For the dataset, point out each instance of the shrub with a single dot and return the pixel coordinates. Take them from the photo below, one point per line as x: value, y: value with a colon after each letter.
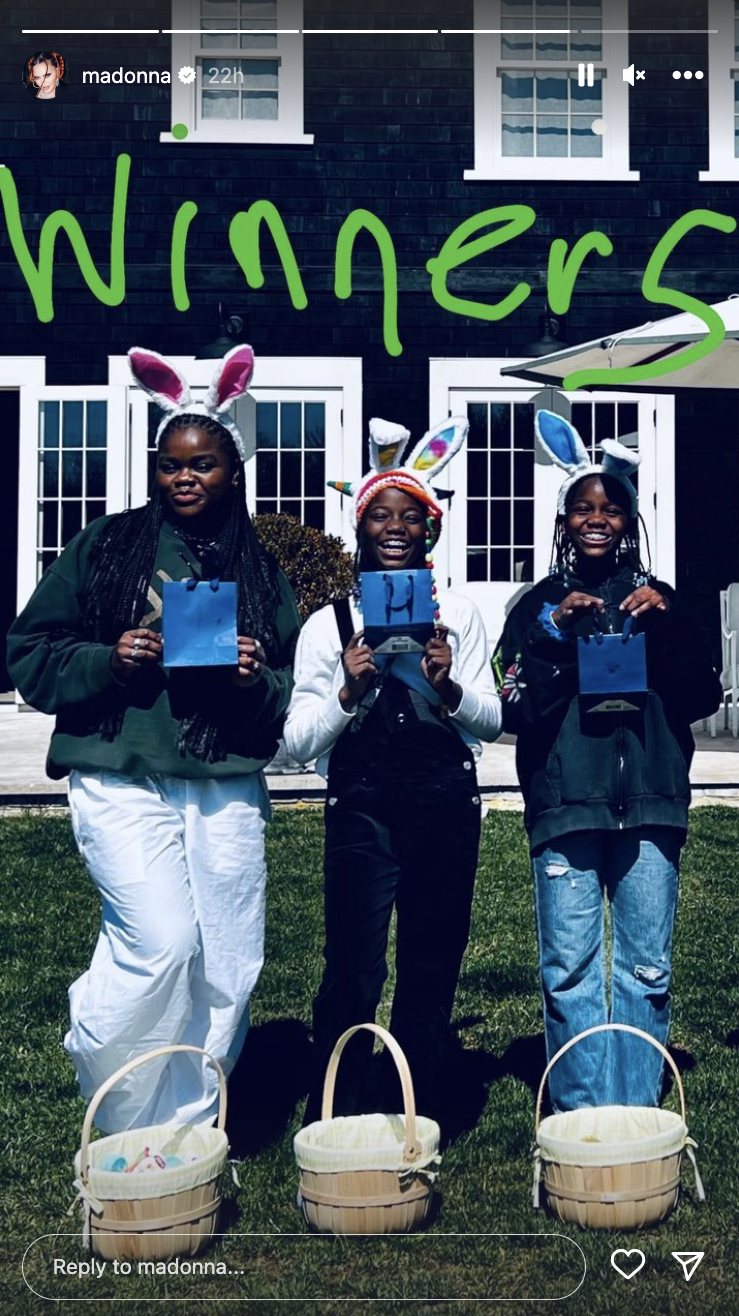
x: 317, y: 565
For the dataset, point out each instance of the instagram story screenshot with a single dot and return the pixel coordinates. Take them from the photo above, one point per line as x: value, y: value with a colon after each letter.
x: 369, y: 685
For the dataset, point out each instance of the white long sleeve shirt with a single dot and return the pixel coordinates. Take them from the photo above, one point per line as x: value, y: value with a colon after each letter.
x: 316, y: 719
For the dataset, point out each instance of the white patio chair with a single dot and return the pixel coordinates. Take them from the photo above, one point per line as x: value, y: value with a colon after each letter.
x: 729, y: 599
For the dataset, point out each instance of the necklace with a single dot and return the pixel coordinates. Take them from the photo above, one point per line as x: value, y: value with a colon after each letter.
x: 200, y: 544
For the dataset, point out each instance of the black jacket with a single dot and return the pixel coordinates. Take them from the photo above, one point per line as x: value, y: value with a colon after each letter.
x: 581, y: 770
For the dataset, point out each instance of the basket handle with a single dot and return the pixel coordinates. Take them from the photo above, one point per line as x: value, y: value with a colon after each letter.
x: 412, y: 1146
x: 109, y: 1083
x: 609, y: 1028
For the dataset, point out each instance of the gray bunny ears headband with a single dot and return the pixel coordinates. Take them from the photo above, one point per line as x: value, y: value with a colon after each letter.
x: 171, y: 391
x: 562, y: 443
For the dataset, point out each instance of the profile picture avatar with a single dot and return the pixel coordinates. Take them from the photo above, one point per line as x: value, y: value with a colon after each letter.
x: 44, y: 73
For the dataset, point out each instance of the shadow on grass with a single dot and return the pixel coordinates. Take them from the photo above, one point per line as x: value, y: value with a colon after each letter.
x: 733, y: 1038
x: 268, y: 1080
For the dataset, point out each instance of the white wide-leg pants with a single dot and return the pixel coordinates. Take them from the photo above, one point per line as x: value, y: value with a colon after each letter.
x: 179, y: 864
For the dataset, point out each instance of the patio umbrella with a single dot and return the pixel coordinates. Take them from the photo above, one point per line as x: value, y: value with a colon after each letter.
x: 654, y: 342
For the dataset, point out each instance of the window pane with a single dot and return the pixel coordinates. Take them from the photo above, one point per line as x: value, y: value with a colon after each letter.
x: 93, y: 508
x: 477, y: 521
x: 551, y: 135
x: 50, y: 480
x: 551, y: 93
x: 605, y: 421
x: 72, y: 423
x: 266, y: 424
x: 500, y: 564
x: 523, y: 425
x: 266, y: 474
x: 72, y: 474
x: 49, y: 413
x: 290, y: 475
x: 314, y: 513
x: 500, y: 522
x: 477, y: 473
x: 586, y: 99
x: 515, y: 45
x: 583, y: 141
x: 583, y: 421
x: 290, y: 507
x: 71, y: 520
x: 315, y: 474
x: 290, y: 425
x: 523, y: 474
x: 477, y: 564
x: 518, y: 135
x: 500, y: 474
x: 477, y: 415
x: 49, y: 525
x: 315, y: 425
x: 500, y: 425
x: 517, y: 93
x: 220, y: 104
x: 628, y: 419
x: 96, y: 474
x: 523, y: 564
x: 523, y: 521
x: 97, y: 416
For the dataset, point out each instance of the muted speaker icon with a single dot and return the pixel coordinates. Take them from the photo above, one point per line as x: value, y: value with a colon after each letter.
x: 629, y: 74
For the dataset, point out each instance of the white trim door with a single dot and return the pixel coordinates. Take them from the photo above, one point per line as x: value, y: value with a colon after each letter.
x: 498, y: 533
x: 74, y: 471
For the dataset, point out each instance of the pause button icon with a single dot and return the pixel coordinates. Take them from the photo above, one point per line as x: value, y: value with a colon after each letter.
x: 585, y: 75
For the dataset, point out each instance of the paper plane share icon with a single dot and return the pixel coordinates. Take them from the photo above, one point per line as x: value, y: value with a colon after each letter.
x: 689, y: 1261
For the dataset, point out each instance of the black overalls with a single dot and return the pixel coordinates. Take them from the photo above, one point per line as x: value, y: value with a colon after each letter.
x: 403, y: 830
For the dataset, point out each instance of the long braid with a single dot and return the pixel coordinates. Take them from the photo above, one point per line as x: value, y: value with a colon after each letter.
x: 122, y: 565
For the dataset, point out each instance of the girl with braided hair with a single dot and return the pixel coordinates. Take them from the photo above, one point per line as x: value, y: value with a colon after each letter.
x: 606, y: 789
x: 44, y: 73
x: 166, y: 786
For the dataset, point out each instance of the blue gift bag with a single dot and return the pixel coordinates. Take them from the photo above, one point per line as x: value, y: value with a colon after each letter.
x: 397, y: 610
x: 199, y: 623
x: 613, y: 666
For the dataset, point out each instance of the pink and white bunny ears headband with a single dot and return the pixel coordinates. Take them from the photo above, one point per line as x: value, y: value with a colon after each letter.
x: 562, y: 443
x: 171, y: 391
x: 387, y: 444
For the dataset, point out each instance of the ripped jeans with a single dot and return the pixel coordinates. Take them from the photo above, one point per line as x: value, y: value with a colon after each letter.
x: 638, y: 870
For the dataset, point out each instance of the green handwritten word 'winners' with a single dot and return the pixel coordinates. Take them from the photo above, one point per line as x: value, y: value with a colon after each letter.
x: 474, y: 239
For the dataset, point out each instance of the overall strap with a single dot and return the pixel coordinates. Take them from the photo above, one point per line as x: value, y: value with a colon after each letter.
x: 344, y: 621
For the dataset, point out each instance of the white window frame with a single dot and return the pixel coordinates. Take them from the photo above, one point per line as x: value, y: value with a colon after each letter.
x: 277, y: 378
x: 723, y: 70
x: 490, y: 163
x: 286, y: 129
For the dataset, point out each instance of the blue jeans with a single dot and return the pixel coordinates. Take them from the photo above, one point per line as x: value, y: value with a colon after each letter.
x: 638, y: 869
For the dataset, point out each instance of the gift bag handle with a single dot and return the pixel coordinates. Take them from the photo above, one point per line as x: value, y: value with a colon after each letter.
x: 609, y: 1028
x: 412, y: 1146
x: 109, y: 1083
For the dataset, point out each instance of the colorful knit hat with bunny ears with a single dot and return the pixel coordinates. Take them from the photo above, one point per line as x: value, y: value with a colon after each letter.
x: 387, y: 444
x: 562, y: 443
x: 171, y: 391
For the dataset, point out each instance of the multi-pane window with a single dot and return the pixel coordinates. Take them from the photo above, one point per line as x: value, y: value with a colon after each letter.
x: 72, y: 472
x: 246, y: 58
x: 550, y: 100
x: 238, y: 88
x: 291, y: 460
x: 500, y: 491
x: 545, y: 110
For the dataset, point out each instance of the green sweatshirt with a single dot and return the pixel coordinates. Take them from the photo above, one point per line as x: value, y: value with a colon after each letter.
x: 59, y: 671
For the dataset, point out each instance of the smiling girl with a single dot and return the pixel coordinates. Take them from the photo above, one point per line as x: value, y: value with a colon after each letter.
x: 166, y: 788
x: 398, y: 739
x: 606, y: 793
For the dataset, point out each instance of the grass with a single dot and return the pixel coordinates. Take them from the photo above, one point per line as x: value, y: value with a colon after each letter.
x: 48, y: 919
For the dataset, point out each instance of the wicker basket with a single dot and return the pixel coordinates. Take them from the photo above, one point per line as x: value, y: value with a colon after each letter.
x: 612, y: 1167
x: 367, y: 1174
x: 153, y: 1216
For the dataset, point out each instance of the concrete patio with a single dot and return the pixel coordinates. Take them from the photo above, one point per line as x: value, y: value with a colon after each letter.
x: 24, y: 737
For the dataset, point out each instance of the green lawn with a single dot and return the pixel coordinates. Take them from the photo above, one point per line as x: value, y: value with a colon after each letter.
x: 48, y: 916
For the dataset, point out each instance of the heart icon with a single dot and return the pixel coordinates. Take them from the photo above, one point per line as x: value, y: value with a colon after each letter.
x: 636, y: 1265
